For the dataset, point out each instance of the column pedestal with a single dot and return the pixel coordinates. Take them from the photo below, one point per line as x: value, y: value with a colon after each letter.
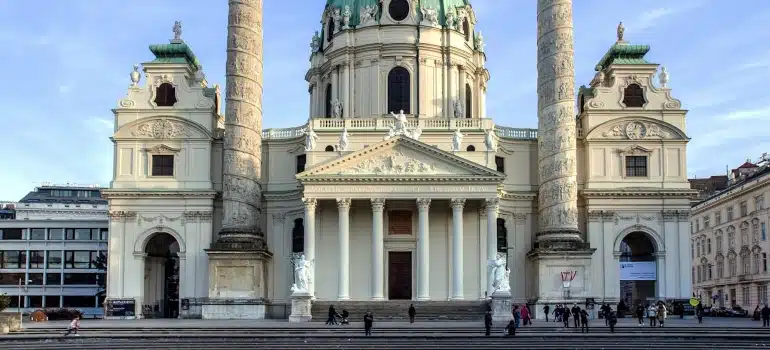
x: 300, y: 308
x: 502, y: 306
x: 237, y: 288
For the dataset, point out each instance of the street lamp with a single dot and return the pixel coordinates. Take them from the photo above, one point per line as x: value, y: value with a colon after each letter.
x: 21, y: 314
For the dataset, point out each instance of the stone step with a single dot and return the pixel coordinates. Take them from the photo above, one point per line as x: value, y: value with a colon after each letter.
x: 398, y: 309
x: 375, y: 342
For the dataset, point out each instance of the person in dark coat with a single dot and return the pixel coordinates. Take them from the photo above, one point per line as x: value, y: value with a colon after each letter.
x: 368, y: 321
x: 565, y: 313
x: 510, y: 329
x: 576, y: 314
x: 640, y: 311
x: 546, y: 310
x: 345, y: 315
x: 487, y: 323
x: 699, y: 312
x: 332, y: 316
x: 412, y: 313
x: 765, y: 316
x: 583, y: 321
x: 613, y: 321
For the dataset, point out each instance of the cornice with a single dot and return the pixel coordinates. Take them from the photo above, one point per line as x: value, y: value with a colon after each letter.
x: 73, y: 212
x: 639, y: 192
x: 125, y: 193
x: 282, y: 195
x: 528, y: 196
x: 730, y: 195
x: 422, y: 179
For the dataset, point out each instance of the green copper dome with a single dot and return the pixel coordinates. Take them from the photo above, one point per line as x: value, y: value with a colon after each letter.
x: 443, y: 7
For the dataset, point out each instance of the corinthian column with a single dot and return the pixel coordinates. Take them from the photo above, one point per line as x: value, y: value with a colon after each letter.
x: 242, y: 192
x: 556, y: 124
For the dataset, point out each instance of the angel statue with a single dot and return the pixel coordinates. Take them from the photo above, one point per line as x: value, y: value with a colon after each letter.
x: 458, y: 107
x: 489, y: 140
x: 336, y: 108
x: 343, y: 144
x: 457, y: 140
x: 499, y: 274
x: 310, y: 137
x: 302, y: 273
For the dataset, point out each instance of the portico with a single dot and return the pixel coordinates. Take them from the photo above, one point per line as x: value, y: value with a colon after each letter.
x: 395, y: 181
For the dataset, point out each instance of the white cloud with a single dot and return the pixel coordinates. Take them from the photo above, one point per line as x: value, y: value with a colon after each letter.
x: 651, y: 18
x: 745, y: 115
x: 100, y: 125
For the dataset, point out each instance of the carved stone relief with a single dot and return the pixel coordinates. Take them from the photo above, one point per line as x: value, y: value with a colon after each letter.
x: 637, y: 130
x: 396, y: 162
x: 554, y: 167
x: 161, y: 129
x: 122, y: 215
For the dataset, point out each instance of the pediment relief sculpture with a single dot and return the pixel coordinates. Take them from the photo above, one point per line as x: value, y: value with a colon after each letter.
x: 159, y: 149
x: 635, y: 149
x: 397, y: 161
x: 162, y: 129
x: 639, y: 130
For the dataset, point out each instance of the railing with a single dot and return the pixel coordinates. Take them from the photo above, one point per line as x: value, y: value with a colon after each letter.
x: 384, y: 123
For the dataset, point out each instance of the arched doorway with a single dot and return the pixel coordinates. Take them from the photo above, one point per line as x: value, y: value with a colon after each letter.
x: 161, y: 277
x: 638, y: 269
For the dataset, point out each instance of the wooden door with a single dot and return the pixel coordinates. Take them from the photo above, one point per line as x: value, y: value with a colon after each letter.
x: 400, y: 275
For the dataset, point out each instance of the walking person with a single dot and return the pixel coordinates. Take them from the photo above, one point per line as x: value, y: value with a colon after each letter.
x: 74, y: 326
x: 368, y: 322
x: 698, y: 313
x: 652, y: 314
x: 583, y: 321
x: 557, y: 313
x: 765, y: 312
x: 613, y: 321
x: 412, y: 313
x: 546, y: 310
x: 332, y: 320
x: 487, y: 323
x: 576, y: 314
x: 516, y: 315
x: 640, y: 314
x: 661, y: 314
x: 525, y: 315
x: 565, y: 317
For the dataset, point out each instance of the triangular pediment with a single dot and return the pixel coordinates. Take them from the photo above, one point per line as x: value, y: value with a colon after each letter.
x: 401, y: 157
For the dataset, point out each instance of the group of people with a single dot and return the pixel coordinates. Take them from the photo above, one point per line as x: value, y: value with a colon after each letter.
x: 656, y: 314
x: 561, y: 313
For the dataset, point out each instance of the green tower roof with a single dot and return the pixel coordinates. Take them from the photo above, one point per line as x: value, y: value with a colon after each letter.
x: 443, y: 7
x: 175, y: 52
x: 624, y: 54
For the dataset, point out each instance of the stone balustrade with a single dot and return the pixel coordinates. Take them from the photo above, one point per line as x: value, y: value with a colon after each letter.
x: 384, y: 123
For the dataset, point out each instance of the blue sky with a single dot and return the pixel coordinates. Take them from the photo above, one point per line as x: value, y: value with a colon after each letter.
x: 67, y: 64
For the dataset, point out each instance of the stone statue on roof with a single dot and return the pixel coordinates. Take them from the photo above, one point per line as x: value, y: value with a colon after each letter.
x: 177, y: 30
x: 621, y: 30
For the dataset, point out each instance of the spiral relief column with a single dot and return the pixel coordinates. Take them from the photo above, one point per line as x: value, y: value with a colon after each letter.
x: 242, y: 166
x: 557, y: 207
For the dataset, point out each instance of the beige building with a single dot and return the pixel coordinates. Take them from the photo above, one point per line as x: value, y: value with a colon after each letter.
x: 729, y: 240
x: 399, y: 186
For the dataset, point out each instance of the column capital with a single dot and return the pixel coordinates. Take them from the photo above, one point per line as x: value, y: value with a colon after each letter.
x: 310, y: 203
x: 458, y: 203
x: 423, y: 203
x: 378, y: 204
x: 492, y: 203
x: 343, y: 203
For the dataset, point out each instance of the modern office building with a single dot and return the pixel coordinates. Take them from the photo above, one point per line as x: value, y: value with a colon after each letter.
x: 50, y: 243
x: 729, y: 239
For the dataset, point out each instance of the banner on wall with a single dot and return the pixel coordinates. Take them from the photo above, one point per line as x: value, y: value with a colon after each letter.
x: 638, y: 271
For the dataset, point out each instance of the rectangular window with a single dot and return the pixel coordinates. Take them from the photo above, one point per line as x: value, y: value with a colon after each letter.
x: 718, y: 217
x: 12, y: 234
x: 36, y: 279
x: 744, y: 209
x: 729, y: 213
x: 74, y: 301
x: 37, y: 259
x: 500, y: 164
x: 55, y: 234
x: 636, y: 166
x: 162, y: 165
x: 759, y: 202
x: 54, y: 259
x: 81, y: 259
x: 104, y: 234
x: 53, y: 279
x: 52, y: 301
x: 14, y: 259
x: 78, y: 234
x: 708, y: 246
x: 706, y: 223
x: 745, y: 295
x: 11, y: 279
x: 711, y: 268
x: 301, y: 161
x: 80, y: 279
x: 745, y: 263
x: 764, y: 233
x: 762, y: 294
x: 37, y: 234
x: 764, y: 262
x: 61, y: 193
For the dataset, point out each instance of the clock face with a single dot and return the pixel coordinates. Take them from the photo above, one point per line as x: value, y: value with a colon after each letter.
x: 635, y: 130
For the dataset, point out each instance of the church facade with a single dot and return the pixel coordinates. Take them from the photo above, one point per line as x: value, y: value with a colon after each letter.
x: 399, y: 186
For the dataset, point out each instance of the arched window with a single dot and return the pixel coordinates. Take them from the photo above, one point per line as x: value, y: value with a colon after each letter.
x: 399, y: 90
x: 468, y: 101
x: 467, y: 30
x: 165, y: 95
x: 328, y: 101
x: 633, y: 96
x: 298, y: 236
x: 330, y: 30
x: 502, y: 235
x: 329, y: 148
x: 471, y: 148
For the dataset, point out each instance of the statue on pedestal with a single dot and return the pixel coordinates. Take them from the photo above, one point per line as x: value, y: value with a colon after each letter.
x: 499, y: 274
x: 401, y: 127
x: 457, y: 140
x: 310, y: 137
x: 489, y: 140
x: 343, y: 143
x: 302, y: 272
